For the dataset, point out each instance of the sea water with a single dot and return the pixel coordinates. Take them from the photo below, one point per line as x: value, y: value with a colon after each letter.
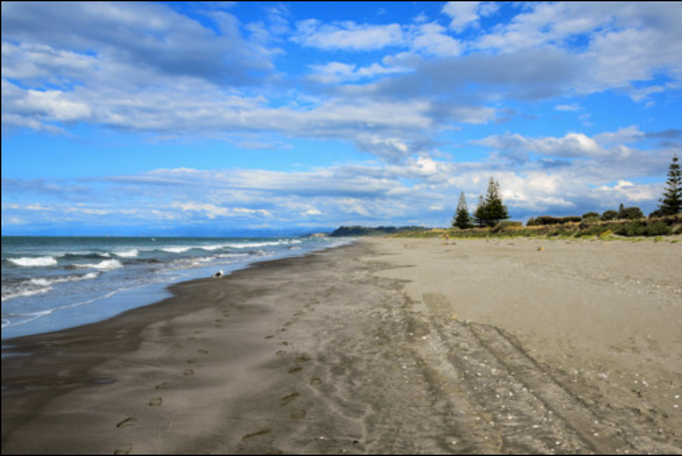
x: 53, y: 283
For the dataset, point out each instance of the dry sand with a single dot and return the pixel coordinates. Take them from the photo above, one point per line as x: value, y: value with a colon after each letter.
x: 385, y: 346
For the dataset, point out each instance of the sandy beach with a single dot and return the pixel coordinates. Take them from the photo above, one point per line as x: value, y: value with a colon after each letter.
x: 384, y: 346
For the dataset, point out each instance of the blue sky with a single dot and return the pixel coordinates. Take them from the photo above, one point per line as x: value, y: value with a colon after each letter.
x: 210, y: 118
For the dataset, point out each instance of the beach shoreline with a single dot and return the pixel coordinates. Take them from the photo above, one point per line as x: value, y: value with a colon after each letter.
x: 385, y: 345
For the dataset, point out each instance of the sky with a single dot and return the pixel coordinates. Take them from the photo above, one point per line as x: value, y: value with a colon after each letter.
x: 212, y: 118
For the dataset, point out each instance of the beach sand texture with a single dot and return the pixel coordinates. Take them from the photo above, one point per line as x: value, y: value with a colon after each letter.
x: 385, y: 346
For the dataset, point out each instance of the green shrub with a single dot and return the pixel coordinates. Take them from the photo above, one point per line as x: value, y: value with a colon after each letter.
x: 505, y: 224
x: 549, y: 220
x: 636, y: 228
x: 609, y: 215
x: 658, y: 228
x: 589, y: 221
x: 546, y: 220
x: 590, y: 214
x: 594, y: 230
x: 571, y: 219
x: 631, y: 213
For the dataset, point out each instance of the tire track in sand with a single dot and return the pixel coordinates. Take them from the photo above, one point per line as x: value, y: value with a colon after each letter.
x: 529, y: 408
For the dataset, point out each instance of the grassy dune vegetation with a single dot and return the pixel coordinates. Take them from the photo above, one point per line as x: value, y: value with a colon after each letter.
x: 587, y: 228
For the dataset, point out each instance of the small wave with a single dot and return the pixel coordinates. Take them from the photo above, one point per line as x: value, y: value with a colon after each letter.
x: 40, y: 285
x: 34, y: 262
x: 233, y: 255
x: 47, y: 282
x: 177, y: 249
x: 106, y: 264
x: 212, y: 248
x: 12, y: 320
x: 84, y: 255
x: 254, y: 245
x: 132, y: 253
x: 24, y: 292
x: 26, y: 318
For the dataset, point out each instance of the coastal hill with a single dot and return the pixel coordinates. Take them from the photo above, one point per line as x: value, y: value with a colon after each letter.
x: 355, y: 231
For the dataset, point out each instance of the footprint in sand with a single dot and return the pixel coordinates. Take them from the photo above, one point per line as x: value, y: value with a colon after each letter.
x: 298, y: 414
x: 124, y: 449
x: 188, y: 372
x: 192, y: 361
x: 202, y: 351
x: 281, y: 353
x: 315, y: 381
x: 191, y: 338
x: 127, y: 422
x: 295, y: 370
x: 256, y: 434
x: 289, y: 397
x: 155, y: 401
x: 162, y: 386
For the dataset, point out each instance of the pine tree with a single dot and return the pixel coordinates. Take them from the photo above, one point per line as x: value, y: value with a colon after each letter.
x: 462, y: 218
x: 495, y: 210
x: 671, y: 203
x: 480, y: 214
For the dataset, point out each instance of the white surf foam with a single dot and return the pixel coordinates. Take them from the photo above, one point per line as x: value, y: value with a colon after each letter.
x: 177, y: 249
x: 132, y: 253
x: 106, y: 264
x: 34, y: 262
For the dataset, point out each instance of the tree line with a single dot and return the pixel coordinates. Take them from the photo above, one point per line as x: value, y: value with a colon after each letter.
x: 491, y: 209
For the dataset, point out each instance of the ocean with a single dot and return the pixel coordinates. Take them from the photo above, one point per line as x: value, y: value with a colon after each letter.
x: 53, y: 283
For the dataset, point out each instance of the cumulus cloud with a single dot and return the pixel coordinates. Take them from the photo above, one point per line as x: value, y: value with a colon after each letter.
x: 336, y: 72
x: 623, y: 41
x: 570, y: 146
x: 466, y: 14
x: 348, y: 35
x: 155, y: 37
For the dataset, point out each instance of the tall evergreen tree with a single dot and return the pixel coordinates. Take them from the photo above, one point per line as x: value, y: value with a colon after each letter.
x: 671, y: 203
x: 462, y: 218
x: 480, y: 214
x: 495, y: 210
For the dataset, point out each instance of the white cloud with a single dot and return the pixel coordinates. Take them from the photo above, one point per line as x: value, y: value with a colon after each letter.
x: 623, y: 42
x: 463, y: 14
x: 643, y: 94
x: 55, y: 104
x: 348, y: 35
x: 312, y: 212
x: 336, y: 72
x: 431, y: 39
x: 572, y: 145
x: 213, y: 211
x: 621, y: 136
x: 146, y: 35
x: 627, y: 191
x: 569, y: 107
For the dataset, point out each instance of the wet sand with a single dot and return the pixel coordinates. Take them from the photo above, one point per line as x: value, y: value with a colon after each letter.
x: 385, y: 346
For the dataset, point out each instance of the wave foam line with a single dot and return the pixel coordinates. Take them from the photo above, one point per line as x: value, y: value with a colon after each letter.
x: 34, y: 262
